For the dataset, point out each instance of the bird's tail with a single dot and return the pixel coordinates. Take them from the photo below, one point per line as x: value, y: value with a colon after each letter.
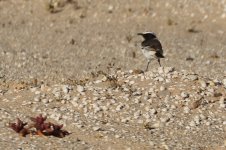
x: 159, y: 55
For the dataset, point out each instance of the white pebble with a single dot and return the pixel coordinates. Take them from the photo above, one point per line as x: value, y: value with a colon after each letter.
x: 119, y: 107
x: 37, y: 98
x: 168, y: 70
x: 96, y: 128
x: 45, y: 101
x: 184, y: 95
x: 224, y: 82
x: 65, y: 89
x: 80, y: 88
x: 192, y: 123
x: 162, y: 88
x: 208, y: 123
x: 203, y: 83
x: 186, y: 110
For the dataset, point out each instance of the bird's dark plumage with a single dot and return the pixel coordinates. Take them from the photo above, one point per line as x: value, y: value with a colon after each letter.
x: 152, y: 44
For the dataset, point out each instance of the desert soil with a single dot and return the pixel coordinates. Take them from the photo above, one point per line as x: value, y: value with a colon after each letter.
x: 78, y: 62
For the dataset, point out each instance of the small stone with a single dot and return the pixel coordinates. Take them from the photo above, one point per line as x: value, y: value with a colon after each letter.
x: 80, y: 88
x: 153, y: 111
x: 224, y: 82
x: 168, y: 69
x: 119, y: 107
x: 74, y: 103
x: 222, y: 106
x: 37, y: 98
x: 37, y: 92
x: 197, y: 120
x: 157, y: 125
x: 192, y: 123
x: 222, y: 100
x: 65, y: 89
x: 96, y: 128
x: 164, y: 119
x: 192, y: 77
x: 184, y: 95
x: 203, y: 83
x: 173, y: 107
x: 160, y: 70
x: 137, y: 114
x: 146, y: 98
x: 140, y: 121
x: 208, y: 123
x: 110, y: 9
x: 45, y: 101
x: 131, y: 82
x: 162, y: 88
x: 217, y: 94
x: 160, y: 79
x: 186, y: 110
x: 124, y: 120
x: 150, y: 126
x: 151, y: 143
x: 56, y: 116
x: 195, y: 104
x: 80, y: 126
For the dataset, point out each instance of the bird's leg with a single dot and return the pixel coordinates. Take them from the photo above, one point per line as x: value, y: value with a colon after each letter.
x: 147, y: 66
x: 159, y: 62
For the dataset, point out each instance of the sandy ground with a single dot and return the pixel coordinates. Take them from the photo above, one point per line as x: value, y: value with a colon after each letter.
x: 60, y: 42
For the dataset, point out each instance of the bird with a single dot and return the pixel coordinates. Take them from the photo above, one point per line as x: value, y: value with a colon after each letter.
x: 151, y: 47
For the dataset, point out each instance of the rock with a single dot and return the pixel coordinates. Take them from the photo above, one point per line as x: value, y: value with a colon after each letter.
x: 165, y: 119
x: 197, y: 120
x: 151, y: 126
x: 203, y: 83
x: 160, y: 79
x: 45, y: 101
x: 65, y: 89
x: 110, y: 9
x: 96, y: 128
x: 168, y: 69
x: 192, y: 77
x: 153, y: 111
x: 184, y: 95
x: 119, y: 107
x: 192, y: 123
x: 195, y: 104
x: 162, y: 88
x: 117, y: 136
x: 217, y: 94
x: 224, y: 82
x: 208, y: 123
x: 160, y: 70
x: 186, y: 110
x: 80, y: 88
x: 37, y: 98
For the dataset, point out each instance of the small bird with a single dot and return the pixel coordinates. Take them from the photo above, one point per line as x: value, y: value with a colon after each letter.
x: 151, y: 47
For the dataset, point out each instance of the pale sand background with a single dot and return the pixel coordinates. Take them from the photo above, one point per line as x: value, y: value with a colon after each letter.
x: 37, y: 43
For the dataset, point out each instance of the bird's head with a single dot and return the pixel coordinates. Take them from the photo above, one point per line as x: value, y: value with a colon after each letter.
x: 147, y: 35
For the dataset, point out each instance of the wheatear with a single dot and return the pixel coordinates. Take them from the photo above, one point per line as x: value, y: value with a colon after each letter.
x: 151, y: 47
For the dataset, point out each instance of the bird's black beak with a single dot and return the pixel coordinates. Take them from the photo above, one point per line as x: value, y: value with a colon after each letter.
x: 139, y: 33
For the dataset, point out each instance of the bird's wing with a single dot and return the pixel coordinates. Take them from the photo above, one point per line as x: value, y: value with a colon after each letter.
x: 152, y: 45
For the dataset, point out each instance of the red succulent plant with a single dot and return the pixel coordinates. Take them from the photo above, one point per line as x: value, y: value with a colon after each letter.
x: 19, y: 127
x: 41, y: 127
